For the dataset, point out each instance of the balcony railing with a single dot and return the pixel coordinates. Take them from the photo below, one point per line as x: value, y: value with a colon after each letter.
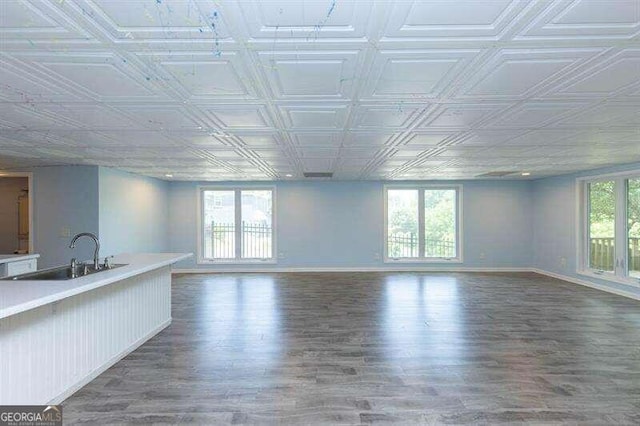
x: 406, y: 245
x: 255, y: 239
x: 602, y: 254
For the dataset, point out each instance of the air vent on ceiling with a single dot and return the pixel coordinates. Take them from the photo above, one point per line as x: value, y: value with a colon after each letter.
x: 318, y: 174
x: 497, y: 174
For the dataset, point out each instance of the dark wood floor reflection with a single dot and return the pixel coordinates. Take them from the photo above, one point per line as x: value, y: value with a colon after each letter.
x: 354, y: 348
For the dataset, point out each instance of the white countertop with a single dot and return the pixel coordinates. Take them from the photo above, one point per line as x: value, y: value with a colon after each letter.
x: 6, y: 258
x: 20, y: 296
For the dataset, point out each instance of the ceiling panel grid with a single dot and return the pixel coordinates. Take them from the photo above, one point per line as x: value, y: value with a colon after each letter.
x: 270, y: 89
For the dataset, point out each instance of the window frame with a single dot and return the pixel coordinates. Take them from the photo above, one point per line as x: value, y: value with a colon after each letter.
x: 459, y: 224
x: 201, y: 189
x: 620, y: 274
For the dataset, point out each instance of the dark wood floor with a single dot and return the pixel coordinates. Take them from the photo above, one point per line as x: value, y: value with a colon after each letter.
x: 350, y: 348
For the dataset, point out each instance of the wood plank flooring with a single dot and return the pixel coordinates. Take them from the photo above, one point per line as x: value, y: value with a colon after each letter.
x: 352, y: 348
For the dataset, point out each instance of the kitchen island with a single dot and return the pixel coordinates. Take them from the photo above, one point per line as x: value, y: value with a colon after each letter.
x: 56, y: 336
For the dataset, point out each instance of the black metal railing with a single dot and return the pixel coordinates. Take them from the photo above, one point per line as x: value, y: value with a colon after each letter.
x: 255, y: 241
x: 401, y: 245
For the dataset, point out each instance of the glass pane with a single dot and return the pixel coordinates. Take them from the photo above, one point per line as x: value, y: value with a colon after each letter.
x: 402, y: 223
x: 219, y: 224
x: 257, y: 231
x: 602, y: 225
x: 633, y: 216
x: 440, y: 223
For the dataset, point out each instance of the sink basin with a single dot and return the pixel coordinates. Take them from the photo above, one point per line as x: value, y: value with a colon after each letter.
x: 60, y: 273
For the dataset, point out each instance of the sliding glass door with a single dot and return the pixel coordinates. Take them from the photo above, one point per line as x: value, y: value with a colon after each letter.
x: 610, y: 244
x: 633, y: 226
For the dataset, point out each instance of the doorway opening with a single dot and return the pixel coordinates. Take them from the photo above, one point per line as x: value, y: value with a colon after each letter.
x: 16, y: 213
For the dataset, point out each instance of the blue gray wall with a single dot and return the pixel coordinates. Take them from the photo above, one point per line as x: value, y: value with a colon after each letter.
x: 340, y: 224
x: 129, y: 213
x: 133, y: 213
x: 64, y: 198
x: 554, y: 221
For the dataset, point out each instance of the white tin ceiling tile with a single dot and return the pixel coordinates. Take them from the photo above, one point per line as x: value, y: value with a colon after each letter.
x: 533, y: 115
x: 35, y: 21
x: 239, y: 116
x: 618, y: 73
x: 148, y: 139
x: 157, y: 20
x: 328, y: 74
x: 518, y: 73
x: 91, y: 116
x: 427, y: 139
x: 316, y: 140
x: 369, y: 139
x: 489, y: 137
x: 191, y: 74
x: 318, y: 154
x: 305, y: 19
x: 102, y: 76
x: 314, y: 116
x: 172, y: 117
x: 255, y: 141
x: 269, y: 154
x: 546, y: 137
x: 198, y: 138
x: 585, y: 19
x: 610, y: 114
x: 472, y: 19
x: 352, y: 163
x: 20, y: 85
x: 31, y: 117
x: 393, y: 116
x: 411, y: 74
x: 461, y: 116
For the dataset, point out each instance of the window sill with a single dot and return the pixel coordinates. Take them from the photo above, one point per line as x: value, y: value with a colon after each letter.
x: 633, y: 282
x: 236, y: 262
x: 423, y: 260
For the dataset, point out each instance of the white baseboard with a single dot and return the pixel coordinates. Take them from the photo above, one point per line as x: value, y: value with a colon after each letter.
x: 586, y: 283
x: 349, y: 269
x: 104, y: 367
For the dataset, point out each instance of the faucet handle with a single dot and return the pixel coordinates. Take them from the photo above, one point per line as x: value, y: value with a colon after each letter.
x: 107, y: 262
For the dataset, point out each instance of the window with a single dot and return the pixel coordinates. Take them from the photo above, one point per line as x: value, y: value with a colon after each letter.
x: 610, y: 238
x: 236, y: 224
x: 423, y: 223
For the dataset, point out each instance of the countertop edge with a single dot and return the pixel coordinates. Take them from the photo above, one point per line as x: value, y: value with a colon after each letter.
x: 17, y: 257
x: 91, y: 285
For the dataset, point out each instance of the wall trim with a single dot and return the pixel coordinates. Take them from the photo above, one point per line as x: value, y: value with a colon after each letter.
x: 349, y: 269
x: 586, y: 283
x: 104, y: 367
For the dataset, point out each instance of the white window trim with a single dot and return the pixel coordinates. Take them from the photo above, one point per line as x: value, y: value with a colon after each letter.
x: 459, y: 224
x: 582, y: 224
x: 201, y: 260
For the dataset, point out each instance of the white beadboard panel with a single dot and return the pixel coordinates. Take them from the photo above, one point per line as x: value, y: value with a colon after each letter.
x: 49, y: 352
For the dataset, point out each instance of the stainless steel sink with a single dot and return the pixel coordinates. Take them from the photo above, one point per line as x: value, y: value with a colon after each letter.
x: 61, y: 273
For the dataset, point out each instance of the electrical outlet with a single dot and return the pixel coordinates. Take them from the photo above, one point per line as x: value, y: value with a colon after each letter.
x: 281, y: 255
x: 482, y: 255
x: 376, y: 256
x: 563, y: 261
x: 65, y: 232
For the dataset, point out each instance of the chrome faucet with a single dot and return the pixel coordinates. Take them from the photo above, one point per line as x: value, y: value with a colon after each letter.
x: 96, y: 253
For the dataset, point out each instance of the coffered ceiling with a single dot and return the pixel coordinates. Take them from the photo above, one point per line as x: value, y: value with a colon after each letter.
x: 258, y: 90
